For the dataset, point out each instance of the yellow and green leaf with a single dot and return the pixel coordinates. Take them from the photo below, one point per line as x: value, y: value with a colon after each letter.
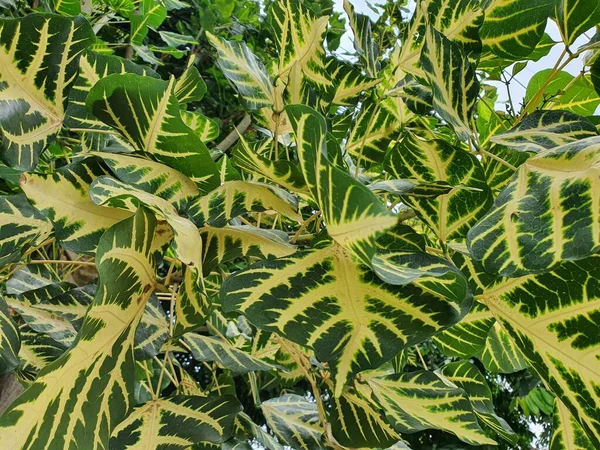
x: 549, y: 212
x: 146, y: 113
x: 63, y: 197
x: 295, y: 421
x: 177, y: 423
x: 78, y: 399
x: 553, y: 319
x: 238, y: 197
x: 322, y: 299
x: 39, y: 56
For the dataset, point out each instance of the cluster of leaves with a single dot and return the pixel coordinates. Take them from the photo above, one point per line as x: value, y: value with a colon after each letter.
x: 279, y: 288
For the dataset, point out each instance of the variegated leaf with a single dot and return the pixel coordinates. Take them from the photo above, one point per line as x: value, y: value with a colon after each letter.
x: 193, y: 303
x: 371, y: 133
x: 354, y: 215
x: 190, y: 87
x: 10, y: 341
x: 295, y: 421
x: 467, y: 377
x: 575, y: 17
x: 347, y: 82
x: 208, y: 348
x: 478, y: 334
x: 227, y: 243
x: 46, y: 310
x: 238, y: 197
x: 364, y: 44
x: 152, y: 331
x: 146, y: 113
x: 82, y: 396
x: 357, y: 421
x: 452, y: 80
x: 421, y: 400
x: 553, y: 319
x: 299, y: 37
x: 37, y: 351
x: 92, y: 68
x: 513, y: 28
x: 549, y: 212
x: 322, y: 299
x: 21, y: 226
x: 152, y: 177
x: 567, y: 434
x: 458, y: 20
x: 245, y: 72
x: 451, y: 215
x: 206, y: 129
x: 282, y: 172
x: 545, y: 129
x: 63, y: 197
x: 39, y: 56
x: 176, y: 423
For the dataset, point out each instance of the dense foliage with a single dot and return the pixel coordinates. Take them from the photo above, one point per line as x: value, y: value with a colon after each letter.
x: 220, y: 229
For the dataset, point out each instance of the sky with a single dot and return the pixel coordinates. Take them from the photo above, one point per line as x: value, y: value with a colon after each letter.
x: 519, y: 84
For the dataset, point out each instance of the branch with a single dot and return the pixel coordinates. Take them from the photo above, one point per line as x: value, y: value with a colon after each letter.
x: 232, y: 137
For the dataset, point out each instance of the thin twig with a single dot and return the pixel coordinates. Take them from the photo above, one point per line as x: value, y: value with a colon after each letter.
x: 233, y: 137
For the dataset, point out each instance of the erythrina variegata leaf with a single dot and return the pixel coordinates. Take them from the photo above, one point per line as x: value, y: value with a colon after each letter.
x: 364, y: 43
x: 177, y: 423
x: 452, y: 79
x: 81, y: 397
x: 553, y: 318
x: 575, y: 17
x: 146, y: 113
x: 63, y: 197
x: 458, y: 20
x: 92, y: 68
x: 208, y: 348
x: 295, y: 421
x: 152, y: 177
x: 352, y: 212
x: 245, y: 71
x: 550, y: 211
x: 281, y: 172
x: 299, y: 38
x: 359, y: 421
x: 322, y: 299
x: 420, y: 400
x: 512, y: 28
x: 192, y: 302
x: 190, y: 87
x: 39, y: 56
x: 467, y: 377
x: 546, y: 129
x: 451, y: 215
x: 206, y: 129
x: 371, y: 133
x: 227, y: 243
x: 10, y: 341
x: 21, y: 226
x: 568, y: 434
x: 238, y: 197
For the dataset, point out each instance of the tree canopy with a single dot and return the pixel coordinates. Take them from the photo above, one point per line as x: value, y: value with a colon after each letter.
x: 220, y: 228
